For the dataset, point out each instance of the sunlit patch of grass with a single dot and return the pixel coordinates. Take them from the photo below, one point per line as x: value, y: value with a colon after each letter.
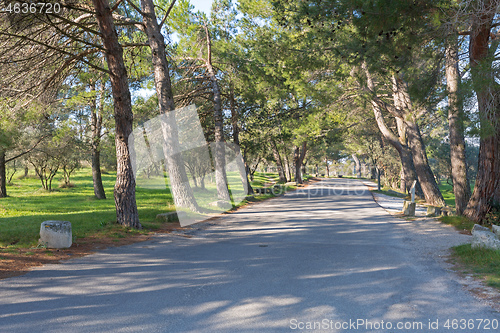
x: 482, y: 262
x: 28, y: 206
x: 459, y: 222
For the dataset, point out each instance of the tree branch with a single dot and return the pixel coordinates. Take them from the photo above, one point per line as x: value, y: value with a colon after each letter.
x: 167, y: 13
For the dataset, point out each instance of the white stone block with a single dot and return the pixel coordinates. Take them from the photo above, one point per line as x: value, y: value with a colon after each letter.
x: 496, y: 229
x: 56, y: 234
x: 409, y: 208
x: 483, y: 238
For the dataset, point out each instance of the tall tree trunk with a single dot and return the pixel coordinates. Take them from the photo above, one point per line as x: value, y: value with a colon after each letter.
x: 486, y: 194
x: 220, y: 159
x: 96, y: 127
x: 461, y: 186
x: 243, y: 170
x: 424, y: 173
x: 298, y: 159
x: 3, y: 176
x: 277, y: 158
x: 399, y: 143
x: 407, y: 166
x: 179, y: 182
x: 124, y: 192
x: 288, y: 170
x: 357, y: 165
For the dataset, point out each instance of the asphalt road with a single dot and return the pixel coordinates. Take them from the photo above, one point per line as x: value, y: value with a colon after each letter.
x: 326, y: 258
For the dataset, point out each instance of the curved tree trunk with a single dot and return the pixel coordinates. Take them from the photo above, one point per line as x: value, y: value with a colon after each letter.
x: 461, y: 186
x: 124, y: 192
x: 424, y: 173
x: 179, y: 182
x: 486, y: 193
x: 399, y: 143
x: 404, y: 112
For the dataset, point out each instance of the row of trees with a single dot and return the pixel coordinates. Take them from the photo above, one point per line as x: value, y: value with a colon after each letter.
x: 289, y: 82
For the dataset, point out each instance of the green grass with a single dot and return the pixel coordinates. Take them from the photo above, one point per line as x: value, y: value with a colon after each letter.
x: 448, y: 195
x: 480, y: 262
x: 459, y: 222
x: 27, y: 205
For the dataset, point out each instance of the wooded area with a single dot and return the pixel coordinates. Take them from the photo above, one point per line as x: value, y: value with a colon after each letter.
x: 405, y: 89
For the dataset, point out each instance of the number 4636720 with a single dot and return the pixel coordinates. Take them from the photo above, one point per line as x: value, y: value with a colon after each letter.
x: 32, y: 8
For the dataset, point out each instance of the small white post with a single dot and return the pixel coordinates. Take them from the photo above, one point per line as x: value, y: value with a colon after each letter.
x: 412, y: 190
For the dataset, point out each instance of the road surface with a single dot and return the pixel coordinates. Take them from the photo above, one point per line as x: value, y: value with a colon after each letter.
x: 325, y: 258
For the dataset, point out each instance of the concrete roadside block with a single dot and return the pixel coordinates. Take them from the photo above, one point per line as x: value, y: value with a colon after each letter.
x: 56, y: 234
x: 409, y: 208
x: 433, y: 211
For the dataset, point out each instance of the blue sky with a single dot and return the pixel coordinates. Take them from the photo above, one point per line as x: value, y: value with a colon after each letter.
x: 203, y: 5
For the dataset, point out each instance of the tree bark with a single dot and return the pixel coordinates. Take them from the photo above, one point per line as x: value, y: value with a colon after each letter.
x: 399, y: 143
x: 358, y: 165
x: 179, y: 183
x: 124, y: 192
x: 236, y: 139
x: 461, y: 186
x: 96, y: 128
x: 220, y: 159
x: 425, y: 176
x: 288, y: 169
x: 298, y: 158
x: 486, y: 194
x: 424, y: 173
x: 279, y: 163
x: 3, y: 176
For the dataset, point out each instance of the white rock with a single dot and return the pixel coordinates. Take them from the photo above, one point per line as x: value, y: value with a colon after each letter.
x: 409, y: 208
x: 496, y: 229
x: 56, y: 234
x: 482, y: 237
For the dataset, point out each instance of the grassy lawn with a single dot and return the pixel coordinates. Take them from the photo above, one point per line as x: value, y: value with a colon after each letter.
x: 459, y: 222
x: 479, y: 262
x: 28, y: 205
x: 448, y: 195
